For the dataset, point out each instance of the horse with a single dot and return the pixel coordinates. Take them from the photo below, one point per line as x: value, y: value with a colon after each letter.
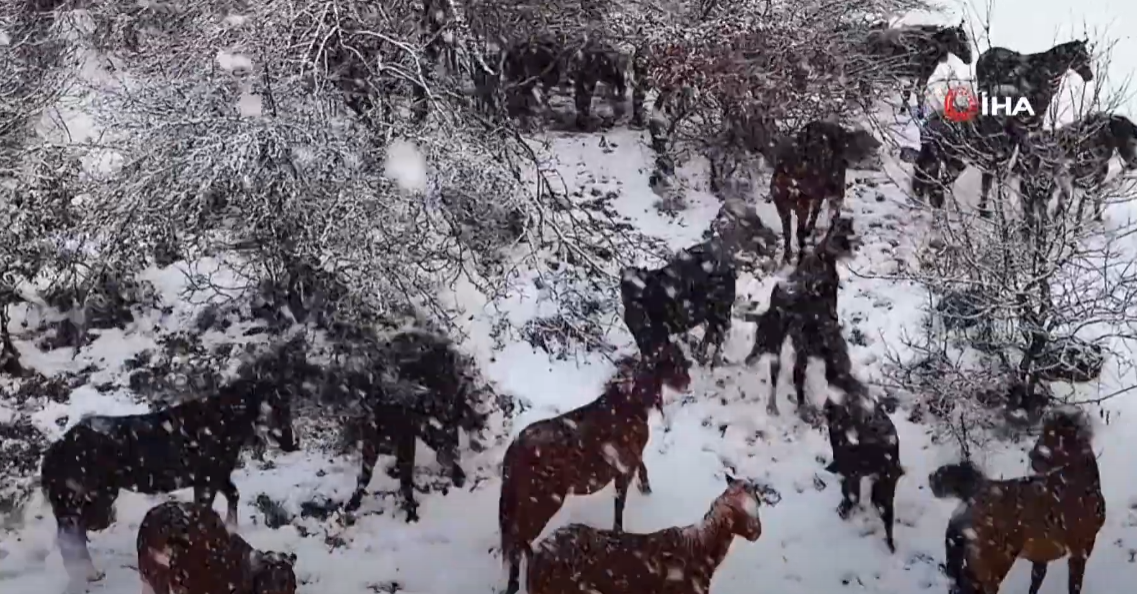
x: 432, y: 402
x: 696, y: 287
x: 798, y: 306
x: 914, y: 52
x: 195, y: 444
x: 1075, y: 156
x: 1001, y: 71
x: 581, y: 451
x: 599, y: 62
x: 1054, y: 513
x: 810, y: 169
x: 184, y: 548
x: 946, y: 148
x: 579, y: 559
x: 546, y: 60
x: 526, y: 62
x: 863, y: 437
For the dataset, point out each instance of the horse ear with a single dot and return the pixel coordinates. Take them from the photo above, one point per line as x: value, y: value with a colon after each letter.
x: 730, y: 480
x: 291, y: 558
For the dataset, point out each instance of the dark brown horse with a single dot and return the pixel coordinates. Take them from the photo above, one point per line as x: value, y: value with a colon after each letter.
x: 798, y: 306
x: 196, y: 444
x: 579, y: 559
x: 184, y: 548
x: 581, y: 451
x: 810, y: 170
x: 1055, y: 513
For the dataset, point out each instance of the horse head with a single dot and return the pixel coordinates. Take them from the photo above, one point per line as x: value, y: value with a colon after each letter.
x: 273, y: 573
x: 954, y: 40
x: 1080, y: 60
x: 1123, y: 132
x: 861, y: 150
x: 1066, y: 441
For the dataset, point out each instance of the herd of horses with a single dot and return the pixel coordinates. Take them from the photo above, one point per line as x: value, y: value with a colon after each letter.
x: 1055, y: 512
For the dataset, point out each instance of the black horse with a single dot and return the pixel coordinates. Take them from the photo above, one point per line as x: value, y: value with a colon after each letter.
x: 696, y: 287
x: 1075, y: 156
x: 914, y: 52
x: 431, y: 398
x: 552, y: 63
x: 863, y: 437
x: 800, y: 307
x: 1002, y: 72
x: 599, y: 62
x: 196, y: 444
x: 946, y: 148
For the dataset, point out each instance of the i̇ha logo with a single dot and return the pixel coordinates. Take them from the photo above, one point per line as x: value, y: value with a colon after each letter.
x: 961, y: 105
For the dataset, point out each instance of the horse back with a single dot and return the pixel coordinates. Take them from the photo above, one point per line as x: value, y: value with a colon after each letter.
x: 185, y: 548
x: 171, y: 449
x: 580, y: 558
x: 583, y: 449
x: 1045, y: 517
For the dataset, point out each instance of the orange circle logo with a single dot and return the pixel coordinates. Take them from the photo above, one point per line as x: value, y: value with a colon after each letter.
x: 960, y: 105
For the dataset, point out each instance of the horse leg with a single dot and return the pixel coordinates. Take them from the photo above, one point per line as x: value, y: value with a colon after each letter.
x: 366, y: 470
x: 1038, y: 575
x: 850, y: 494
x: 775, y: 371
x: 232, y: 496
x: 801, y: 363
x: 803, y: 227
x: 71, y: 537
x: 623, y: 481
x: 405, y: 463
x: 513, y: 558
x: 645, y: 484
x: 787, y: 234
x: 1077, y: 564
x: 883, y: 497
x: 984, y: 191
x: 584, y: 87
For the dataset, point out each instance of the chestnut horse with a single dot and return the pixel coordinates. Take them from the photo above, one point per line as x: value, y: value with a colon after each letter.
x: 579, y: 559
x: 1056, y: 513
x: 185, y: 548
x: 583, y: 450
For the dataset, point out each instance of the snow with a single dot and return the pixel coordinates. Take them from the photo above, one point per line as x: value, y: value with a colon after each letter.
x: 232, y: 62
x: 723, y: 425
x: 406, y: 165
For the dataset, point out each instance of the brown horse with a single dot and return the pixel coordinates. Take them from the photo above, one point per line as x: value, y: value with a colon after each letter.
x: 184, y: 548
x: 581, y: 451
x: 809, y: 169
x: 1056, y: 513
x: 579, y: 559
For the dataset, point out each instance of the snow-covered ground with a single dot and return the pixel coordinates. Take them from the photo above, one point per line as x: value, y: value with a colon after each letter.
x: 720, y: 424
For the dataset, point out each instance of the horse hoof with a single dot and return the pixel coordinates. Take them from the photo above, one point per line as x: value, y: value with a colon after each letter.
x: 772, y: 410
x: 645, y: 489
x: 844, y: 510
x: 96, y: 576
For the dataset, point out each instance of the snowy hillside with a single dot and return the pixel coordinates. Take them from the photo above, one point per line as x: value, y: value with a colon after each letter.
x: 720, y: 425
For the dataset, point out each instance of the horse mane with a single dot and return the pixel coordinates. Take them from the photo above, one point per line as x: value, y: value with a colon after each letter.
x: 692, y: 537
x: 1074, y: 418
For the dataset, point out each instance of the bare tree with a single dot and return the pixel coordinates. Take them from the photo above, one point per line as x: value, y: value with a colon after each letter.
x: 738, y: 81
x: 35, y: 60
x: 1037, y: 295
